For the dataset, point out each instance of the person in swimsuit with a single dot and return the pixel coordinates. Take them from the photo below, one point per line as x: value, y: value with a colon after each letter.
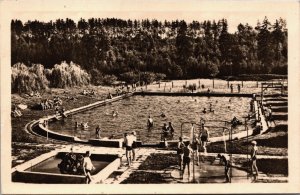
x: 150, y: 122
x: 224, y: 159
x: 187, y: 153
x: 171, y: 129
x: 204, y: 136
x: 98, y: 130
x: 128, y: 141
x: 195, y: 147
x: 180, y: 147
x: 134, y: 146
x: 253, y: 159
x: 88, y: 167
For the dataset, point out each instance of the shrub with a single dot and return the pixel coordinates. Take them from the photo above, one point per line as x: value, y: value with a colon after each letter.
x: 148, y: 77
x: 35, y: 78
x: 160, y: 76
x: 109, y: 79
x: 68, y: 75
x: 96, y: 77
x: 130, y: 77
x: 26, y: 79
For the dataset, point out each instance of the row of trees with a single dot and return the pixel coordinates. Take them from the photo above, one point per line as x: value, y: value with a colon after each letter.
x: 175, y: 49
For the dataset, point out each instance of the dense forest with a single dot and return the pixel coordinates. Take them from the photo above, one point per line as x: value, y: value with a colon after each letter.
x: 121, y: 49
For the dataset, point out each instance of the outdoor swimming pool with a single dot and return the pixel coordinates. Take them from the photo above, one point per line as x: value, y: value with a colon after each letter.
x: 134, y: 111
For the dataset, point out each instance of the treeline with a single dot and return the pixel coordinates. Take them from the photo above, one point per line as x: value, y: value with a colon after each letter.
x: 173, y: 49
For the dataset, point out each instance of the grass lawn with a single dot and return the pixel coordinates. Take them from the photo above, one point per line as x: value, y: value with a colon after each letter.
x: 23, y: 153
x: 18, y: 124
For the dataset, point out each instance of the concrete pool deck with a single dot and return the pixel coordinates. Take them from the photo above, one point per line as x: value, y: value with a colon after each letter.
x: 123, y: 172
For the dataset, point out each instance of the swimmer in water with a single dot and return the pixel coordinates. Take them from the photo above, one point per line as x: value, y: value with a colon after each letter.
x: 162, y: 115
x: 210, y: 108
x: 115, y: 113
x: 204, y: 111
x: 84, y: 125
x: 150, y: 122
x: 76, y: 125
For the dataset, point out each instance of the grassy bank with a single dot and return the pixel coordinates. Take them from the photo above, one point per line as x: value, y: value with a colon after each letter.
x: 71, y: 98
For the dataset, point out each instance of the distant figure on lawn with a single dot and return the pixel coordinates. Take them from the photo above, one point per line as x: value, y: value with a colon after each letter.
x: 231, y: 88
x: 239, y: 88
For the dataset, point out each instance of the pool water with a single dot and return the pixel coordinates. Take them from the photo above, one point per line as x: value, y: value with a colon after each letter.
x: 50, y: 165
x: 133, y: 113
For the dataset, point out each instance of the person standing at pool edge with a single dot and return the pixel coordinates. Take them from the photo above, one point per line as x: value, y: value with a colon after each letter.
x: 253, y: 160
x: 128, y: 141
x: 204, y: 136
x: 88, y: 167
x: 134, y: 146
x: 187, y: 152
x: 98, y: 131
x: 180, y: 147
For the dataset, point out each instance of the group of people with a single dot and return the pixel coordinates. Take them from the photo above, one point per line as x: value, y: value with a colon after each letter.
x: 16, y: 112
x: 167, y: 130
x: 185, y: 150
x: 238, y: 88
x: 82, y: 125
x: 77, y: 164
x: 204, y: 111
x: 49, y: 104
x: 34, y: 93
x: 87, y: 92
x: 130, y: 145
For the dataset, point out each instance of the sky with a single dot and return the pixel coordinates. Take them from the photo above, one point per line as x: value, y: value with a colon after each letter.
x: 234, y: 11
